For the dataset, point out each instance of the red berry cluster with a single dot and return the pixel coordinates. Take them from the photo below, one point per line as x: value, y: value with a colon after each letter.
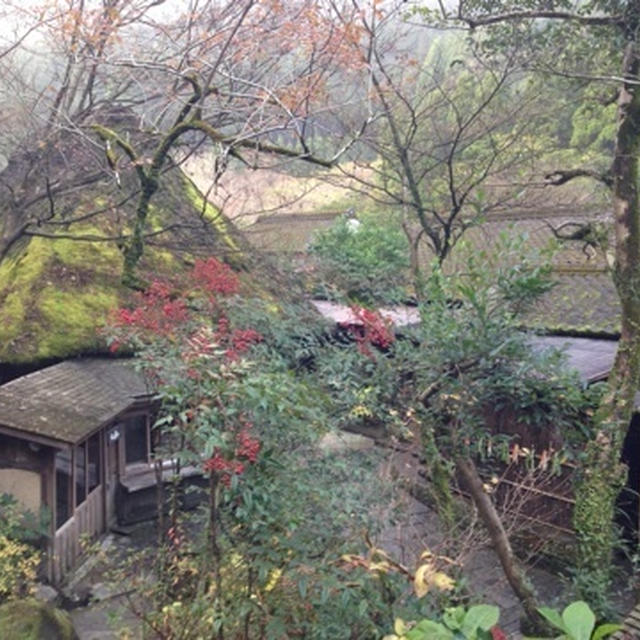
x: 157, y: 312
x: 248, y: 447
x: 237, y: 341
x: 217, y: 463
x: 370, y: 328
x: 247, y: 450
x: 215, y: 277
x: 242, y: 339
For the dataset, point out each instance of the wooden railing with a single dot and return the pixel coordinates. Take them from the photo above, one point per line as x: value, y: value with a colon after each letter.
x: 86, y: 522
x: 630, y: 626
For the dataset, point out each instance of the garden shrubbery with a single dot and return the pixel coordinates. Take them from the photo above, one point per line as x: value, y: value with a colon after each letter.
x: 19, y: 557
x: 367, y: 261
x: 247, y: 390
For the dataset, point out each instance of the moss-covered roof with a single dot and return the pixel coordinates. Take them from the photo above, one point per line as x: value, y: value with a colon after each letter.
x: 68, y: 401
x: 584, y: 300
x: 56, y: 291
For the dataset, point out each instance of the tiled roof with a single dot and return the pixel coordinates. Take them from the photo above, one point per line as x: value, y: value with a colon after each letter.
x: 68, y: 401
x: 536, y: 227
x: 581, y: 302
x: 584, y: 300
x: 288, y: 233
x: 592, y: 358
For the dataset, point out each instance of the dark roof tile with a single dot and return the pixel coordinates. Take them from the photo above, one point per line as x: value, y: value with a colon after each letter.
x: 68, y: 401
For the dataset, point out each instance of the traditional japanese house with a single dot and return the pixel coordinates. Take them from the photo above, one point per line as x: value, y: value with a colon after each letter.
x: 550, y: 501
x: 70, y: 435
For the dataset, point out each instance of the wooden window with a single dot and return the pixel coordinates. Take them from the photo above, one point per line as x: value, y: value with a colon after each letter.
x: 64, y: 487
x: 136, y: 439
x: 81, y: 473
x: 94, y: 467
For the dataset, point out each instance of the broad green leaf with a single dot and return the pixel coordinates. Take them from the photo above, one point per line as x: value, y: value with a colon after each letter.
x: 605, y: 630
x: 553, y: 617
x: 579, y: 620
x: 453, y: 617
x: 302, y: 587
x: 429, y: 630
x: 480, y: 616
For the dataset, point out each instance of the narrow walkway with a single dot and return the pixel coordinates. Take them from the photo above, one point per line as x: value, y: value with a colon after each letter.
x: 630, y: 627
x: 415, y: 529
x: 481, y: 568
x: 420, y: 529
x: 108, y: 620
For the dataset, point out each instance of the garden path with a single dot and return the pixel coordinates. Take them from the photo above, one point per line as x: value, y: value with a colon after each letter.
x: 420, y: 529
x: 413, y: 527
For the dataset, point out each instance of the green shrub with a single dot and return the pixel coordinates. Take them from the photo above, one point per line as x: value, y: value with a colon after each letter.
x: 577, y: 622
x: 19, y: 558
x: 367, y: 264
x: 33, y: 620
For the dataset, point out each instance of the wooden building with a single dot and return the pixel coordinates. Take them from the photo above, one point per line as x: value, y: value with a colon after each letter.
x: 549, y: 497
x: 70, y: 435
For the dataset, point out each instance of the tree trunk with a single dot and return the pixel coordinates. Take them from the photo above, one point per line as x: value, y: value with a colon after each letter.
x: 216, y: 555
x: 603, y: 474
x: 160, y: 501
x: 133, y: 250
x: 499, y: 540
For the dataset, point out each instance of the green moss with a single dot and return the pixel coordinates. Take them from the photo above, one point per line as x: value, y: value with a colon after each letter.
x: 11, y: 317
x: 54, y: 293
x: 155, y: 218
x: 27, y: 267
x: 33, y: 620
x: 71, y: 319
x: 83, y: 255
x: 162, y: 261
x: 210, y: 213
x: 48, y: 309
x: 19, y: 278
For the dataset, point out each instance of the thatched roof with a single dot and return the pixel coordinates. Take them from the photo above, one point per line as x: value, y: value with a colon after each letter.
x: 583, y: 301
x: 56, y: 291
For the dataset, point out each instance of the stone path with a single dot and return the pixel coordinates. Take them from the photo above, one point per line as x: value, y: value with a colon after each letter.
x: 108, y: 616
x: 482, y: 568
x: 483, y: 573
x: 415, y: 529
x: 107, y: 620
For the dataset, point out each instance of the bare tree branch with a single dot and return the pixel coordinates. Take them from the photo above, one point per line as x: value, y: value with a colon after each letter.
x: 560, y: 176
x: 597, y: 20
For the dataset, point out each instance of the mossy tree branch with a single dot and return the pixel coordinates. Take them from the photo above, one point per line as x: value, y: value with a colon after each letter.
x: 149, y: 176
